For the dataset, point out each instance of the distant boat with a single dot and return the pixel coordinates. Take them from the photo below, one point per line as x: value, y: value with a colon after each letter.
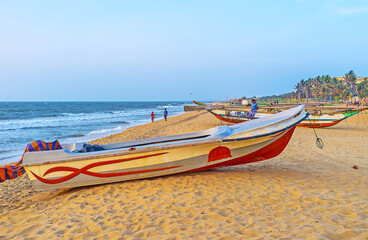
x: 321, y: 120
x: 222, y: 146
x: 317, y: 119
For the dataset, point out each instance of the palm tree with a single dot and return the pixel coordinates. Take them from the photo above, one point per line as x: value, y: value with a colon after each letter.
x: 362, y: 88
x: 299, y: 88
x: 350, y: 79
x: 308, y: 88
x: 328, y: 83
x: 326, y: 88
x: 316, y: 87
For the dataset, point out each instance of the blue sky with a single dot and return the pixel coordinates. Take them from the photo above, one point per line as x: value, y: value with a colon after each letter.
x: 171, y: 50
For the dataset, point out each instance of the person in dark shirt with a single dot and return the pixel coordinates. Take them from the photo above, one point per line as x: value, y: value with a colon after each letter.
x: 165, y: 114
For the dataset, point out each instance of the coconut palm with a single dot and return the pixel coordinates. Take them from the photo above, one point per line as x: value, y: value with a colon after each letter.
x: 350, y: 80
x: 362, y: 88
x: 324, y: 87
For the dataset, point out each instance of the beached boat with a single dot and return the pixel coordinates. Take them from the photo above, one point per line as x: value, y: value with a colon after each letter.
x: 321, y: 120
x: 317, y: 119
x: 222, y: 146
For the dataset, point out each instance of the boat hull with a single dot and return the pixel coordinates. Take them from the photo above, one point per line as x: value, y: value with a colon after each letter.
x: 163, y: 162
x: 318, y: 124
x: 325, y: 120
x: 227, y: 119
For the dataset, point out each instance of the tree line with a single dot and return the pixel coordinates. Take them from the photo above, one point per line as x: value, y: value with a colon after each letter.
x: 326, y: 88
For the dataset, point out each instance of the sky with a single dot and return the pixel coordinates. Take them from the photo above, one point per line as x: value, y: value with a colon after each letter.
x: 175, y: 50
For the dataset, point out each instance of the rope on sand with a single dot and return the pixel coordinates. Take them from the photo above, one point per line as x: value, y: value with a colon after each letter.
x: 223, y: 123
x: 355, y: 125
x: 365, y: 115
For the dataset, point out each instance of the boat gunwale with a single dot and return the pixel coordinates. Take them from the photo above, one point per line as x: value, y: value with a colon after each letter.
x: 123, y: 152
x: 267, y: 134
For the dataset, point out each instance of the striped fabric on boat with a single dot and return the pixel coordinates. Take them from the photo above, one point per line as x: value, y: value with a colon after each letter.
x: 251, y: 113
x: 42, y: 146
x: 10, y: 171
x: 13, y: 170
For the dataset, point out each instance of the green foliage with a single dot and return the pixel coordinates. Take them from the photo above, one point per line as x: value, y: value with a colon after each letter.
x: 324, y: 88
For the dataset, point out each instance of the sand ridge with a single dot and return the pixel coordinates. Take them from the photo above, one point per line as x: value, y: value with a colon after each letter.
x: 304, y: 193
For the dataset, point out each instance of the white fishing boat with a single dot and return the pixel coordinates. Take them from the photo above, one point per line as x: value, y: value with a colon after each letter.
x: 222, y: 146
x: 319, y: 117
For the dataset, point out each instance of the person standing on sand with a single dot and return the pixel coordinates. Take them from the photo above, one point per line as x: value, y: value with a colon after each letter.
x: 152, y: 117
x: 165, y: 114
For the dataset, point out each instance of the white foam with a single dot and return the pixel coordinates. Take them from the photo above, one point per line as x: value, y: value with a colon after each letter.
x: 101, y: 131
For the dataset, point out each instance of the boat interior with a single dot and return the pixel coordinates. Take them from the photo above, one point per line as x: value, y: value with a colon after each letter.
x: 257, y: 127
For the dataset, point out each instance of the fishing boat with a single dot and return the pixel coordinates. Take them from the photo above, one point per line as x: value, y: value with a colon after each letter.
x: 222, y: 146
x: 317, y: 118
x: 321, y: 120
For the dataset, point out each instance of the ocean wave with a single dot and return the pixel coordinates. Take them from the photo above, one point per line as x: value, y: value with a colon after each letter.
x: 38, y: 127
x: 119, y: 122
x: 71, y: 114
x: 59, y: 121
x: 121, y: 113
x: 165, y: 106
x: 102, y: 131
x: 4, y: 151
x: 62, y: 119
x: 75, y: 135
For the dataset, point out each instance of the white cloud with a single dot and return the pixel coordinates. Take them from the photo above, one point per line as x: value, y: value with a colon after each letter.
x: 350, y: 11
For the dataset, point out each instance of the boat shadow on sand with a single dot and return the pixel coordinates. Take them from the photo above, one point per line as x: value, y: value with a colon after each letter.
x: 220, y: 174
x: 263, y: 173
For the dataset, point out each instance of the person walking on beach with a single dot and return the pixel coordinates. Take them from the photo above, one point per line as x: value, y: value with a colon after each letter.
x: 165, y: 114
x: 152, y: 117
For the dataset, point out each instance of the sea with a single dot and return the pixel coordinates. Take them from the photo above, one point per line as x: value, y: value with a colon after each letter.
x: 69, y: 122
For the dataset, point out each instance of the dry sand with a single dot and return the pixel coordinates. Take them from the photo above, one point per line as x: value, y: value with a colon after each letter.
x: 305, y: 193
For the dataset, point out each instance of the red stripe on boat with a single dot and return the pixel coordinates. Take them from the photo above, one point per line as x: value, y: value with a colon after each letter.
x: 85, y: 169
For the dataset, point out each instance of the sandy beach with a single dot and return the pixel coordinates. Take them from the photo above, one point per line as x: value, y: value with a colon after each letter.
x: 304, y: 193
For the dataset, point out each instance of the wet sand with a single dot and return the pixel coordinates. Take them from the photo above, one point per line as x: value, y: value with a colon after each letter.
x: 304, y: 193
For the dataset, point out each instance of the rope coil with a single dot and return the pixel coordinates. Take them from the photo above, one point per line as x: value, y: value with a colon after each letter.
x: 319, y: 142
